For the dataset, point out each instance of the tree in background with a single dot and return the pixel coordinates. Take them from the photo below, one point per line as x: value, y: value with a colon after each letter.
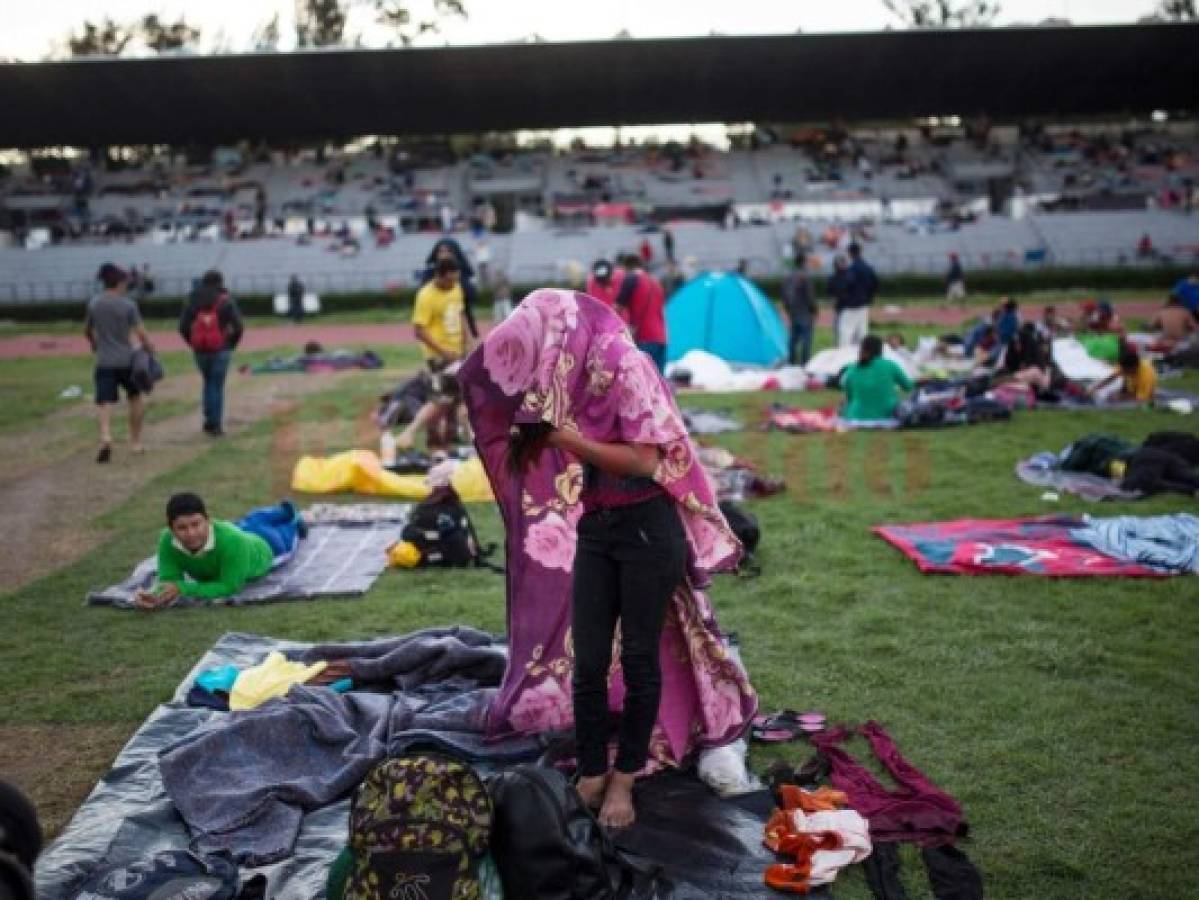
x: 943, y: 13
x: 1176, y: 11
x: 320, y: 23
x: 266, y: 35
x: 106, y: 38
x: 397, y: 16
x: 163, y: 37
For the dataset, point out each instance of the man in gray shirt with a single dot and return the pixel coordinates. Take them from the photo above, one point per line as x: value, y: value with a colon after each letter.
x: 112, y: 320
x: 800, y: 302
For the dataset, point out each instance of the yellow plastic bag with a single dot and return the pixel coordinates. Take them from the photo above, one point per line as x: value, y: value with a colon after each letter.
x: 273, y: 677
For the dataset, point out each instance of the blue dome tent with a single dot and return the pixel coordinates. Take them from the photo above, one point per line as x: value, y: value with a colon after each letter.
x: 725, y: 314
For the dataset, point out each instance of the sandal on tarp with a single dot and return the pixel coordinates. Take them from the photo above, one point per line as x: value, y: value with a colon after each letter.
x: 785, y: 725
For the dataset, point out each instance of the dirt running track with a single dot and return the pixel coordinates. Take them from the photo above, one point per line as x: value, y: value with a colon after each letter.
x: 333, y: 336
x: 51, y: 495
x: 256, y: 338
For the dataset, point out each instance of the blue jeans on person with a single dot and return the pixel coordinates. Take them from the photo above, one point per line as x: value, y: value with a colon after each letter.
x: 656, y: 352
x: 801, y: 333
x: 214, y: 367
x: 279, y: 525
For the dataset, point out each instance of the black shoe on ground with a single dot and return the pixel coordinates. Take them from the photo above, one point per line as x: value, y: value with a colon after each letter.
x: 105, y: 453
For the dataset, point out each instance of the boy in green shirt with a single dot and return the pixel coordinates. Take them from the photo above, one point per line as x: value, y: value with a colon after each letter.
x: 204, y: 559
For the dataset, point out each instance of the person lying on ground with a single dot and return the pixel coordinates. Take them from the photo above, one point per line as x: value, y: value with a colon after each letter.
x: 872, y: 384
x: 1138, y: 376
x: 1174, y: 321
x: 204, y: 559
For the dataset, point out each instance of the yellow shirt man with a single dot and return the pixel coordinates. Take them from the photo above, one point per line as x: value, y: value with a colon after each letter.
x: 1141, y: 384
x: 438, y: 313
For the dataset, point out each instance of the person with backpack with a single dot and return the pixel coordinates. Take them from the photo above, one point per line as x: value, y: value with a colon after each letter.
x: 212, y: 326
x: 110, y: 322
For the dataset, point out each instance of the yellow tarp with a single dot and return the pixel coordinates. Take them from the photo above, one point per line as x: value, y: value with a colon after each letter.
x: 361, y: 472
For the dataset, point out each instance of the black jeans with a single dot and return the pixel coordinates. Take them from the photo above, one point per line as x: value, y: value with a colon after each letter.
x: 628, y: 563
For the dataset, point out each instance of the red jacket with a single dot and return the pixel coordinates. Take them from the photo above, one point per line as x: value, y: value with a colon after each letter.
x: 605, y: 292
x: 647, y: 310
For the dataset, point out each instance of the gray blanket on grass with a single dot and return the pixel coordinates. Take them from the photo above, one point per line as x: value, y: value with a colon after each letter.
x: 333, y: 561
x: 243, y: 782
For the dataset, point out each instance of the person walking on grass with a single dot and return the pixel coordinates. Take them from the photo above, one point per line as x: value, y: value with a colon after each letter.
x: 112, y: 319
x: 212, y: 326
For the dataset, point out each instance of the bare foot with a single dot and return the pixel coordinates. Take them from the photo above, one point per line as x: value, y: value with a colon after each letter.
x: 137, y: 448
x: 617, y: 811
x: 591, y: 790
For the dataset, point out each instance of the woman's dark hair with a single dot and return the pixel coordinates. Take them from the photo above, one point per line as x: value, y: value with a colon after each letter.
x: 525, y: 443
x: 212, y: 279
x: 1129, y: 359
x: 871, y: 349
x: 185, y: 504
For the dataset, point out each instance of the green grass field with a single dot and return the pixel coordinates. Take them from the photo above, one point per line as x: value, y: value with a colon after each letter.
x: 1062, y: 714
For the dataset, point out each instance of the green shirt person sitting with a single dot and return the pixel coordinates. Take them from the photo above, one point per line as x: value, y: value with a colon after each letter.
x: 204, y: 559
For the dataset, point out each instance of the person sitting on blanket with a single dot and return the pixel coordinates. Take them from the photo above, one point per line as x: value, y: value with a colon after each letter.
x: 1029, y: 359
x: 206, y: 560
x: 871, y: 384
x: 1139, y: 379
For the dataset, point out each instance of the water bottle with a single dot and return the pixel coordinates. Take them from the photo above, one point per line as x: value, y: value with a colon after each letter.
x: 387, y: 449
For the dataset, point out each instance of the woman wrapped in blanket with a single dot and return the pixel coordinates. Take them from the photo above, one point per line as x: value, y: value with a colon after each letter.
x: 610, y: 519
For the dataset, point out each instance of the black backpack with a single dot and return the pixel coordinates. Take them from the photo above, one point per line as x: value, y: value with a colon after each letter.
x: 745, y: 526
x: 440, y: 528
x: 548, y: 845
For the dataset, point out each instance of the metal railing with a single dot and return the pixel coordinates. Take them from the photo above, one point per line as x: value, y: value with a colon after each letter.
x: 350, y: 280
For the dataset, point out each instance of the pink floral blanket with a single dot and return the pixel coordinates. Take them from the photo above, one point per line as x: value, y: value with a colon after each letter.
x: 565, y: 358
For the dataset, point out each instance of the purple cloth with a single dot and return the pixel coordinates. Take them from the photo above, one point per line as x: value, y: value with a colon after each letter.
x: 917, y: 810
x: 567, y: 359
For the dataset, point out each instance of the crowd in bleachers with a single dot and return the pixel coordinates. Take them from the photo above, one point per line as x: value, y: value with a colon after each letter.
x: 913, y: 195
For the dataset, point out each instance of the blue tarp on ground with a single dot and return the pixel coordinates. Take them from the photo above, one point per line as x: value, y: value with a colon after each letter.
x: 725, y: 314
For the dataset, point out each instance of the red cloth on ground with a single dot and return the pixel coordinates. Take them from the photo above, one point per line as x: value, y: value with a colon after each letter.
x: 916, y: 810
x: 1036, y: 546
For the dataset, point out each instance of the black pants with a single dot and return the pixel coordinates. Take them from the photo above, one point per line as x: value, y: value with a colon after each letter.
x: 628, y: 563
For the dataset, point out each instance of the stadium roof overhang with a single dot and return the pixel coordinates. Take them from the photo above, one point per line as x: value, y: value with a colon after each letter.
x: 1004, y: 73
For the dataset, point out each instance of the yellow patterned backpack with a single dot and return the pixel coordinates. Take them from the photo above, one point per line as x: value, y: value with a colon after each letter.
x: 419, y: 825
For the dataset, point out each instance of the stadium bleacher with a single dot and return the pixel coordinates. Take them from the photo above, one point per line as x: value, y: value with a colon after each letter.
x: 361, y: 221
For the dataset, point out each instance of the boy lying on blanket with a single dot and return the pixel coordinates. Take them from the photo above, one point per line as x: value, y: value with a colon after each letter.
x: 206, y: 560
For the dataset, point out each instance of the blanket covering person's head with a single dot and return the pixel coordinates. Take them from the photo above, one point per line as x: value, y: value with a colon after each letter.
x: 567, y: 359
